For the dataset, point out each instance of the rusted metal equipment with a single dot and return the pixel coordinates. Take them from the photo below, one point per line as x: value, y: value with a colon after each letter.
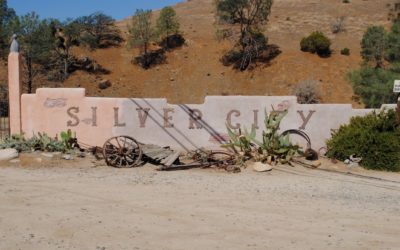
x: 126, y: 152
x: 310, y: 154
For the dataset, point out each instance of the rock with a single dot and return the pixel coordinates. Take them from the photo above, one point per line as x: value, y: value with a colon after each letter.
x: 355, y: 159
x: 347, y: 161
x: 48, y: 155
x: 67, y: 157
x: 8, y: 154
x: 15, y: 161
x: 104, y: 84
x: 81, y: 155
x: 354, y: 165
x: 261, y: 167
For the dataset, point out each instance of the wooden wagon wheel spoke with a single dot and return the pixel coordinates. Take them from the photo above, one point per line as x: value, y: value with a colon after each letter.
x: 131, y: 157
x: 124, y: 142
x: 122, y: 151
x: 111, y: 150
x: 120, y: 162
x: 126, y: 159
x: 119, y: 145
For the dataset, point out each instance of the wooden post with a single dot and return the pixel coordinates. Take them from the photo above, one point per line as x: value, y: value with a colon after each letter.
x: 14, y: 88
x: 398, y: 110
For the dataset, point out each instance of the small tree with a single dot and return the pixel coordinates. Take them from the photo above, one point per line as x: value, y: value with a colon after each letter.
x: 98, y: 31
x: 248, y: 16
x: 66, y: 35
x: 140, y: 30
x: 375, y: 85
x: 373, y: 45
x: 167, y: 24
x: 393, y: 49
x: 7, y: 15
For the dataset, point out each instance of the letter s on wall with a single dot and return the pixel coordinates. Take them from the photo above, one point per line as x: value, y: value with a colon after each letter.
x: 73, y: 116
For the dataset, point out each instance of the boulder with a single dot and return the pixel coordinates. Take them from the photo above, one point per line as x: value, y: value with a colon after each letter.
x: 8, y: 154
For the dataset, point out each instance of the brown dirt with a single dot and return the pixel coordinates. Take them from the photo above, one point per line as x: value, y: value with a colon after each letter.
x: 194, y: 71
x: 55, y: 204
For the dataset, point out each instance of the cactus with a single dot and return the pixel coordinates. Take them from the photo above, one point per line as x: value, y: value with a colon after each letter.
x: 273, y: 145
x: 68, y: 139
x: 41, y: 142
x: 242, y: 141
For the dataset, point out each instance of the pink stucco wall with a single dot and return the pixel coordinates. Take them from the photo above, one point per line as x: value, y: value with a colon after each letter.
x: 14, y: 92
x: 96, y: 119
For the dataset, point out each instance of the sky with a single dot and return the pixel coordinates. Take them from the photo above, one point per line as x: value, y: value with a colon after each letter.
x: 63, y: 9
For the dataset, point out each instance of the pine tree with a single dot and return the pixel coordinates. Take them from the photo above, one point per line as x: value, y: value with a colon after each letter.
x: 99, y: 31
x: 36, y: 45
x: 7, y: 15
x: 374, y: 45
x: 393, y: 50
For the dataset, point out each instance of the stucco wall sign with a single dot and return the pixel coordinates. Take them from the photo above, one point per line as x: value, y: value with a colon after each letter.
x: 183, y: 127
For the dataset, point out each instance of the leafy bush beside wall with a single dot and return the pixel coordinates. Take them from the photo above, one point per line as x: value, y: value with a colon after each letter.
x: 374, y: 137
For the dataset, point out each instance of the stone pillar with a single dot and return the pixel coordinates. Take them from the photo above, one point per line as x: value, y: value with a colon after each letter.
x: 14, y: 88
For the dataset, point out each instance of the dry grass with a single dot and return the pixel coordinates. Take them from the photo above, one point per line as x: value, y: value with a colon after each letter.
x: 197, y: 71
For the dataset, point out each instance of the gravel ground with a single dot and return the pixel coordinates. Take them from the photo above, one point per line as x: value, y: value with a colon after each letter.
x: 96, y: 207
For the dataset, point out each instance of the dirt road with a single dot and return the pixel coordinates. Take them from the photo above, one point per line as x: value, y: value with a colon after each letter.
x: 104, y: 208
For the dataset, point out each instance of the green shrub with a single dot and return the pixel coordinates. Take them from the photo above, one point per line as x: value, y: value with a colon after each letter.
x: 374, y: 137
x: 345, y: 52
x: 393, y: 49
x: 317, y: 42
x: 375, y: 85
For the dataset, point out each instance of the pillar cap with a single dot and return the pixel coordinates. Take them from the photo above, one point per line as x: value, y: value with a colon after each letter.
x: 14, y: 44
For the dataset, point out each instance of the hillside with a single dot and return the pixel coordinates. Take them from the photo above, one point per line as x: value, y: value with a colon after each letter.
x: 194, y: 71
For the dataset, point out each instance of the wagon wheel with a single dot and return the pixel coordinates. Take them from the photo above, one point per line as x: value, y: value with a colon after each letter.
x: 122, y: 152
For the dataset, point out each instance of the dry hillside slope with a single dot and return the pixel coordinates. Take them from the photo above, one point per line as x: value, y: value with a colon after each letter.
x: 194, y: 71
